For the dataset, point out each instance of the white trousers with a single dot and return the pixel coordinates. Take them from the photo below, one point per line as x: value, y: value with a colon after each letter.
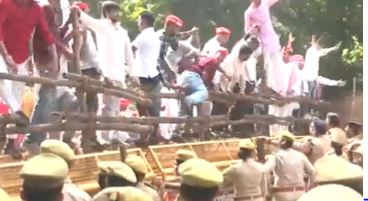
x: 283, y: 111
x: 11, y: 91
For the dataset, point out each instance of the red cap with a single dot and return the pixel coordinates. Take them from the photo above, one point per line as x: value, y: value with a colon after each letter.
x: 222, y: 52
x: 175, y: 20
x: 223, y: 30
x: 83, y: 6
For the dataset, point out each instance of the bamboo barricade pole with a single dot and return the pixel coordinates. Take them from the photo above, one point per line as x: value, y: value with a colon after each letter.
x: 261, y: 119
x: 82, y: 85
x: 82, y: 78
x: 147, y: 120
x: 75, y: 126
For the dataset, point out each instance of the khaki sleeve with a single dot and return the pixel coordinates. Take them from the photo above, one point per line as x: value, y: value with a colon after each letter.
x: 228, y: 178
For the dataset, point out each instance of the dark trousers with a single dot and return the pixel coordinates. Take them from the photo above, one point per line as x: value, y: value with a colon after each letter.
x: 239, y: 109
x: 151, y: 85
x: 92, y: 98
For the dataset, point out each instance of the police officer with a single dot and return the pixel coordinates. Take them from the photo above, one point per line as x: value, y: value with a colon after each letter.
x: 200, y: 180
x: 43, y: 178
x: 247, y: 176
x: 140, y: 169
x: 289, y: 168
x: 70, y: 191
x: 338, y: 141
x: 317, y: 146
x: 115, y: 174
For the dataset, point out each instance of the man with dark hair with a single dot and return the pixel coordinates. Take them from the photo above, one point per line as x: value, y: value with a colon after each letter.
x: 42, y: 181
x: 318, y: 145
x: 289, y: 168
x: 146, y: 47
x: 332, y: 120
x: 115, y: 54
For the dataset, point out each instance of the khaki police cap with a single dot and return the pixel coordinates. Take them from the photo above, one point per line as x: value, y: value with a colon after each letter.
x: 4, y: 196
x: 287, y: 135
x: 122, y: 194
x: 331, y: 192
x: 59, y: 148
x: 247, y: 144
x: 333, y: 168
x: 184, y: 154
x: 137, y: 164
x: 44, y: 171
x: 117, y: 168
x: 200, y: 173
x: 338, y: 136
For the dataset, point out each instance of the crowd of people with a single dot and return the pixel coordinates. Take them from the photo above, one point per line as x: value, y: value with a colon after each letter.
x: 328, y: 166
x: 36, y: 38
x: 163, y: 60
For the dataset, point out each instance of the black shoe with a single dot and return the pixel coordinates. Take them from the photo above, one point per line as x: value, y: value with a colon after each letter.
x: 23, y: 119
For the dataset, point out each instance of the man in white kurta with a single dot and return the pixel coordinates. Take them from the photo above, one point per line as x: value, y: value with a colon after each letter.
x: 114, y: 53
x: 311, y: 69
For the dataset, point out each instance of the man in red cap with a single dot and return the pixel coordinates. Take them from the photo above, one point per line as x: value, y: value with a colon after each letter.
x: 218, y: 42
x: 18, y: 19
x: 172, y: 50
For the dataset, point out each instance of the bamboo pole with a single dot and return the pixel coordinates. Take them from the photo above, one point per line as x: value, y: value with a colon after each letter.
x: 260, y: 119
x: 82, y: 86
x: 75, y: 126
x: 147, y: 120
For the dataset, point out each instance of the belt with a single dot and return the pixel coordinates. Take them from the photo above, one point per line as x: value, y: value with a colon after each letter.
x: 289, y: 189
x: 248, y: 197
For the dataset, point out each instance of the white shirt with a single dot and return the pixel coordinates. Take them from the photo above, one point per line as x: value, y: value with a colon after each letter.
x: 114, y: 47
x: 211, y: 47
x: 148, y: 50
x: 311, y: 66
x: 88, y: 52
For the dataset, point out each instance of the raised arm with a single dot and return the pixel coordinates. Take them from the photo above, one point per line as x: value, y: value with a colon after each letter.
x: 328, y: 82
x: 88, y: 21
x: 325, y: 51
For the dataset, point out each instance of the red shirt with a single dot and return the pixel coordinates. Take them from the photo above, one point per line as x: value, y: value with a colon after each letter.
x: 206, y: 67
x: 17, y: 23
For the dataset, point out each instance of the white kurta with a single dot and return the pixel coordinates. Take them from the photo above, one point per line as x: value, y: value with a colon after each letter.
x: 211, y: 47
x: 114, y: 47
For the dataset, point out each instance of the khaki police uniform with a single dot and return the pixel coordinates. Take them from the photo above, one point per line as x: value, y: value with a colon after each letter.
x: 4, y: 196
x: 246, y: 177
x: 71, y: 192
x: 137, y: 164
x: 289, y: 168
x: 122, y: 194
x: 315, y: 147
x: 331, y: 192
